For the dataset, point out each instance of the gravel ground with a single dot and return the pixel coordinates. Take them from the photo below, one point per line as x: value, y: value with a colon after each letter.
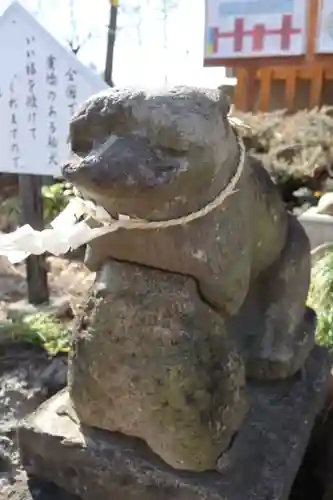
x: 66, y: 278
x: 28, y: 375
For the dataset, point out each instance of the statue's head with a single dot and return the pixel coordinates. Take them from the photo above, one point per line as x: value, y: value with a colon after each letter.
x: 146, y: 153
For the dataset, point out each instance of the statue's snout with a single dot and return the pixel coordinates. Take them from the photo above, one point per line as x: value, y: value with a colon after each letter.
x: 123, y: 162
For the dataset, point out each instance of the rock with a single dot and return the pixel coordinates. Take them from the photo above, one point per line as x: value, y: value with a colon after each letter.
x: 54, y: 377
x: 34, y: 489
x: 20, y: 394
x: 318, y: 224
x: 261, y: 464
x: 314, y: 479
x: 6, y: 453
x: 152, y: 360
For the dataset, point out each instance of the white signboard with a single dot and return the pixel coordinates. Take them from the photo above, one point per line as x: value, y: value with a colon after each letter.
x: 254, y: 28
x: 41, y: 85
x: 325, y: 28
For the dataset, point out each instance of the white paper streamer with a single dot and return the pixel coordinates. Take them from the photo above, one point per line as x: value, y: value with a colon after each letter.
x: 65, y: 233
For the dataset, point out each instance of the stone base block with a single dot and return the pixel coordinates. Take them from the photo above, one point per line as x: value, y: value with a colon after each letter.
x: 260, y: 465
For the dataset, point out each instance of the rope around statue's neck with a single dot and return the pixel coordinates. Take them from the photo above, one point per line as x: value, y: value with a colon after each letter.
x: 125, y: 222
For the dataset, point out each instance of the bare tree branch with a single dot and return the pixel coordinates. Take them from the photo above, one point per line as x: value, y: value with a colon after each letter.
x: 165, y: 7
x: 135, y: 12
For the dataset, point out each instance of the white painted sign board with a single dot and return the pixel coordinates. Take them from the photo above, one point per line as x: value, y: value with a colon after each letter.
x: 41, y: 85
x: 325, y: 28
x: 254, y: 28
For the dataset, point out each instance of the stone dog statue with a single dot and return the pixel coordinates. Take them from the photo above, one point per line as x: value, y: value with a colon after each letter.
x: 180, y: 316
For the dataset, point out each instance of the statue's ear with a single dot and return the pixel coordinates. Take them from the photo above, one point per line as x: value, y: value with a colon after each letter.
x: 224, y: 102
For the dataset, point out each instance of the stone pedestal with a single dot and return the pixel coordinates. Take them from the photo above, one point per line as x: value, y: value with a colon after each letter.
x: 260, y: 465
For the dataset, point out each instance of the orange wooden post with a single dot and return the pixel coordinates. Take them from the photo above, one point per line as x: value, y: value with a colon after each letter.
x: 240, y: 89
x: 290, y: 89
x: 317, y: 69
x: 316, y: 87
x: 265, y: 82
x: 250, y: 89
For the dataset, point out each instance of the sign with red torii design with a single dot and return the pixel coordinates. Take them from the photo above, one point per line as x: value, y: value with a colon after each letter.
x: 245, y: 29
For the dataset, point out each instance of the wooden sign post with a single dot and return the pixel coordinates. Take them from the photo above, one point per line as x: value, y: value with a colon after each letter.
x: 269, y: 41
x: 32, y: 214
x: 40, y: 89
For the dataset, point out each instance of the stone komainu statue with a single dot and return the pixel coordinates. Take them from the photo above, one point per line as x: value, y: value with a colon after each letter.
x: 181, y: 316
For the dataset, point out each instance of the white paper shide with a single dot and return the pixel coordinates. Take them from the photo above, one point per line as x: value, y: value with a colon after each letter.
x: 66, y: 232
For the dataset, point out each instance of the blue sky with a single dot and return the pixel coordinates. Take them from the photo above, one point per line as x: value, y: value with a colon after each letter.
x: 140, y: 55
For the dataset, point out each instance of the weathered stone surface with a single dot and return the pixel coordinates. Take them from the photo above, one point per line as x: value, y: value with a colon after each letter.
x: 261, y: 464
x: 25, y: 488
x: 161, y: 155
x: 179, y: 316
x: 152, y: 360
